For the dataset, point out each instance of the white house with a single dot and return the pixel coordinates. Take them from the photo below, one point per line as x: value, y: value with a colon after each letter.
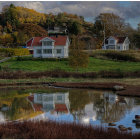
x: 49, y: 47
x: 57, y: 102
x: 116, y: 43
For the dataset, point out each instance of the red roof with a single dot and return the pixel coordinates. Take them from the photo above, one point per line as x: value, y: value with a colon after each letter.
x: 58, y: 107
x: 36, y: 41
x: 31, y: 98
x: 29, y: 43
x: 61, y: 108
x: 37, y: 107
x: 119, y: 39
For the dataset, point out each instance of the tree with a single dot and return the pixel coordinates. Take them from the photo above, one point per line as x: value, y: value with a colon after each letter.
x: 33, y: 30
x: 108, y: 24
x: 77, y: 57
x: 75, y: 28
x: 10, y: 18
x: 136, y: 40
x: 6, y: 40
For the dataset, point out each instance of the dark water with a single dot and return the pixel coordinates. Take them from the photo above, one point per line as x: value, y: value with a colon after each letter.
x: 70, y: 105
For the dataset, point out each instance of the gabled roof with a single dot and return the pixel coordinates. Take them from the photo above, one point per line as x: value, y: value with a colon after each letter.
x: 36, y: 41
x: 61, y: 108
x: 119, y: 39
x: 39, y: 107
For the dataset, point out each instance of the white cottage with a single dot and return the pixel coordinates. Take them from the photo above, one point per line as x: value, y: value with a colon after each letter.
x: 58, y: 102
x: 116, y: 43
x: 49, y: 47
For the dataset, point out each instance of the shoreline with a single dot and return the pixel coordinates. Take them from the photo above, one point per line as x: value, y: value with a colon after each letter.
x: 106, y: 84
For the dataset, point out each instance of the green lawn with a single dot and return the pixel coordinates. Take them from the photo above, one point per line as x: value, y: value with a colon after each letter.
x: 94, y: 65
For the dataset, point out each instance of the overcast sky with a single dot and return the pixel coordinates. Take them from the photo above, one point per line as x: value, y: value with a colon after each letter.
x: 130, y: 11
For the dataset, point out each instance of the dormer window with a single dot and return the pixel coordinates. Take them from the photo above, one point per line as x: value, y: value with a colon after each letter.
x: 47, y: 43
x: 112, y: 41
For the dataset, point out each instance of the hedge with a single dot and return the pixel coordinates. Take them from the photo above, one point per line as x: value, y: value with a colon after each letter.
x: 115, y: 55
x: 14, y: 52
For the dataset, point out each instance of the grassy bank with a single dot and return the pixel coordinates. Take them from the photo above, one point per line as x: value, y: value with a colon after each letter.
x: 127, y: 81
x: 95, y: 65
x: 53, y: 130
x: 129, y: 55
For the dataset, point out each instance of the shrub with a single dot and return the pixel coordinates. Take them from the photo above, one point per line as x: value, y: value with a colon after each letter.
x: 115, y: 55
x: 111, y: 74
x: 119, y: 56
x: 21, y: 52
x: 41, y: 59
x: 14, y: 52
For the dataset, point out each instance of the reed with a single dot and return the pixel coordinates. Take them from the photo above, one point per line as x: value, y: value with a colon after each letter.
x: 4, y: 74
x: 53, y: 130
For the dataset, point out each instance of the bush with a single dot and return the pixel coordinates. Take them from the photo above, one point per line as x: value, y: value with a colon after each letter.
x: 7, y: 74
x: 119, y: 56
x: 111, y: 74
x: 21, y: 52
x: 41, y: 59
x: 14, y: 52
x: 115, y: 55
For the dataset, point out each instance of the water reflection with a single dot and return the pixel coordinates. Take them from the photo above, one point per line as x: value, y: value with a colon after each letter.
x: 111, y: 108
x: 81, y: 106
x: 58, y: 103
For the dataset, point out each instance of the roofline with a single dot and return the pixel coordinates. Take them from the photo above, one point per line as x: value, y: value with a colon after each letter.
x: 29, y: 40
x: 48, y: 38
x: 32, y: 41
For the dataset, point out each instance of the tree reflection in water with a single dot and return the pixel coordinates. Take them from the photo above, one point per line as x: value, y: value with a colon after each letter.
x: 110, y: 107
x: 83, y: 105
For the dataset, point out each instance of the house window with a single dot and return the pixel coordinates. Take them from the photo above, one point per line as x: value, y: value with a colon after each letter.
x: 47, y: 51
x: 110, y: 47
x: 118, y: 47
x: 47, y: 43
x: 59, y: 98
x: 39, y: 97
x: 47, y: 98
x: 112, y: 41
x: 48, y: 106
x: 38, y: 51
x: 58, y: 51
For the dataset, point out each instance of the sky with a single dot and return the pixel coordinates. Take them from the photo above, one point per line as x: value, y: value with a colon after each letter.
x: 129, y: 10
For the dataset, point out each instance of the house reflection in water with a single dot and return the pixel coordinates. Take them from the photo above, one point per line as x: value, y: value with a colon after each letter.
x: 113, y: 107
x: 45, y: 102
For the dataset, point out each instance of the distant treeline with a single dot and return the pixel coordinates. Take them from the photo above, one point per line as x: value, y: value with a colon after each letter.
x: 18, y: 24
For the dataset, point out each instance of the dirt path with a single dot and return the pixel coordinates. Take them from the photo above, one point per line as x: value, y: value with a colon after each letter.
x: 5, y: 59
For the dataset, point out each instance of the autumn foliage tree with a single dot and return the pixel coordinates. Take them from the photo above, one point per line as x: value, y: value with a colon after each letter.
x: 78, y: 58
x: 110, y: 24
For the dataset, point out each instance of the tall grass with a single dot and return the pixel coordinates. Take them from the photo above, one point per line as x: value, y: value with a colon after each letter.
x: 117, y: 55
x: 63, y: 74
x: 53, y: 130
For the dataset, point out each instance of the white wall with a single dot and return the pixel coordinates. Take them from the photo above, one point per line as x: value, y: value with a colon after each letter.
x: 64, y: 51
x: 124, y: 46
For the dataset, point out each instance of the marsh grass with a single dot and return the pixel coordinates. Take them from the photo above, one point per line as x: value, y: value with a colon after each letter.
x: 53, y: 130
x: 64, y: 74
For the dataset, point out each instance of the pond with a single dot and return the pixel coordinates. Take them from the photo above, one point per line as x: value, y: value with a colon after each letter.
x: 95, y: 107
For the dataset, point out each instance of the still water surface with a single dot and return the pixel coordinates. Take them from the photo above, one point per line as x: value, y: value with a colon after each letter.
x: 70, y: 105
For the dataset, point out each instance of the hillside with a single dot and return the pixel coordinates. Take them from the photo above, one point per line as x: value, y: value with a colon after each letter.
x: 18, y: 24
